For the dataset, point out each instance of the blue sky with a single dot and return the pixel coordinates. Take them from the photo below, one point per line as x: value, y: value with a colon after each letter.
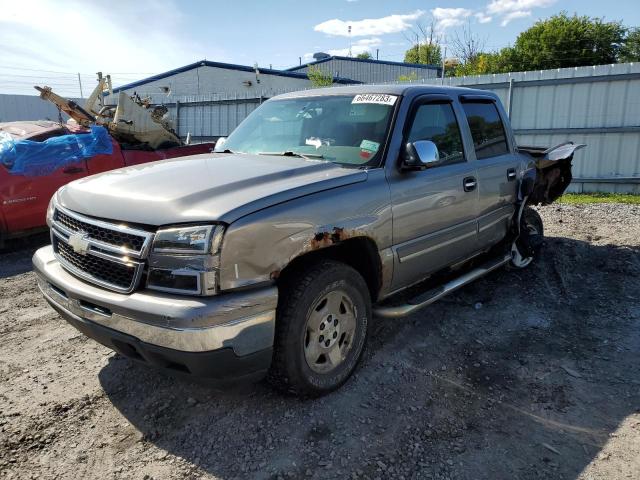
x: 50, y: 40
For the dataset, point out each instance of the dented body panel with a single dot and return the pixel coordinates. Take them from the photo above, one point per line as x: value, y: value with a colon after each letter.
x: 553, y: 170
x: 259, y: 246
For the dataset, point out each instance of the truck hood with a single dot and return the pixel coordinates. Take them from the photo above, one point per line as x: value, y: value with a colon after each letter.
x: 201, y: 188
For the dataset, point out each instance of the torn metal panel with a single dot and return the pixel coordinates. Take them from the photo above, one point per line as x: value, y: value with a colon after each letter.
x: 133, y: 121
x: 553, y: 171
x: 136, y: 122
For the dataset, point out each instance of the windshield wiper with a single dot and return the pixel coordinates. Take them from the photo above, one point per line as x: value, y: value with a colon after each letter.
x: 289, y: 153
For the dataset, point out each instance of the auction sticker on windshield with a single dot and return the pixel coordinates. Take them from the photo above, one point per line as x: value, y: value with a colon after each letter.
x: 377, y: 98
x: 369, y: 146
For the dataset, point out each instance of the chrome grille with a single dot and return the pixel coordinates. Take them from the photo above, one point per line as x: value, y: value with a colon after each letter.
x: 106, y: 254
x: 106, y: 271
x: 112, y: 237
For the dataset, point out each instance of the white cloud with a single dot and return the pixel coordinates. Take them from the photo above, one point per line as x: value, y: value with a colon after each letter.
x: 507, y: 6
x: 38, y: 34
x: 513, y: 15
x: 482, y: 18
x: 509, y: 10
x: 450, y: 17
x: 361, y: 46
x: 368, y: 26
x: 370, y: 42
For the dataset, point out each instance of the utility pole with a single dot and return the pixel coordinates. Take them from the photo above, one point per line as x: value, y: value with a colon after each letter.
x: 80, y: 83
x: 444, y: 57
x: 418, y: 48
x: 349, y: 30
x: 300, y: 60
x: 377, y: 53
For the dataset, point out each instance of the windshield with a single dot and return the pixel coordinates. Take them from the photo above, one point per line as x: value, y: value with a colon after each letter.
x: 345, y: 129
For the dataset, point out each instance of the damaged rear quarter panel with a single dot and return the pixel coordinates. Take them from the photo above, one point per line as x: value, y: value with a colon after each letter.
x: 257, y: 247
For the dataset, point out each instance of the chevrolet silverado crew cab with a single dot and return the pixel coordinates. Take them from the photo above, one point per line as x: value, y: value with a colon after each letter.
x: 323, y: 208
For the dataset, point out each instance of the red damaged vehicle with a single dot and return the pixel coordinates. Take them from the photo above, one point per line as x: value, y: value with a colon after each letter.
x: 24, y: 199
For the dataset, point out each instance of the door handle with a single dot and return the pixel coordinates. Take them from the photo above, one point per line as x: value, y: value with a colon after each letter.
x: 511, y: 174
x: 469, y: 184
x: 72, y: 170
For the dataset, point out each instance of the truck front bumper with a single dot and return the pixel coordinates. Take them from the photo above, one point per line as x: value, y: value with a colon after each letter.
x: 221, y: 337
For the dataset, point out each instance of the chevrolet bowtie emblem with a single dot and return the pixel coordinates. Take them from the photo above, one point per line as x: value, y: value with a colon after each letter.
x: 79, y: 243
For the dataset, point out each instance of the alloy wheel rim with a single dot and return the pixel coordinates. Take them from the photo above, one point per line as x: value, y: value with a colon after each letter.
x: 516, y: 257
x: 329, y: 331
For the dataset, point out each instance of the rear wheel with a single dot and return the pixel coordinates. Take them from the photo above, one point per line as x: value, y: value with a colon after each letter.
x: 321, y: 328
x: 525, y: 248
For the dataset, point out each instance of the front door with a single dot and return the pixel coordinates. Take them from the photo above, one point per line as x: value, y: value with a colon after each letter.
x: 434, y: 210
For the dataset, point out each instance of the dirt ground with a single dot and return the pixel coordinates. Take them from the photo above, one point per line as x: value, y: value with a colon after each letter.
x: 523, y: 375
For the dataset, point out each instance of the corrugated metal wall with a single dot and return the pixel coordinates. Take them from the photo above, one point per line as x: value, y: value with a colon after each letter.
x: 208, y: 118
x: 208, y: 80
x: 599, y: 106
x: 373, y: 71
x: 28, y: 107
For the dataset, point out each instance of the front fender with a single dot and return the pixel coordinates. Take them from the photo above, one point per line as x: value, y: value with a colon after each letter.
x: 259, y: 246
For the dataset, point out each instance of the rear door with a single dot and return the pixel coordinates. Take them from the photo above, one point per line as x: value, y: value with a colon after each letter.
x: 434, y: 214
x: 496, y: 167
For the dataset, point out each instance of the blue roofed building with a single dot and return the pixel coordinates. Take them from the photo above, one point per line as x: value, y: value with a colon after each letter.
x: 367, y: 70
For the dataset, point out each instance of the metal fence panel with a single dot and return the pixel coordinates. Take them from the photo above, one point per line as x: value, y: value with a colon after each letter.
x: 28, y: 107
x: 599, y: 106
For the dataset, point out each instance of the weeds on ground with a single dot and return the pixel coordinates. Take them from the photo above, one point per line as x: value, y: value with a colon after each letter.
x: 580, y: 198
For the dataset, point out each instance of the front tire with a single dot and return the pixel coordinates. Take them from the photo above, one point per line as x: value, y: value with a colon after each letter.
x: 321, y: 328
x: 526, y: 247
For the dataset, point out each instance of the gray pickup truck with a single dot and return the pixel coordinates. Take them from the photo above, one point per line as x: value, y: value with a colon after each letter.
x: 322, y: 209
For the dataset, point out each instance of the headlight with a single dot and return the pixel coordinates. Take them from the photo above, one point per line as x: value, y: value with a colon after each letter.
x: 50, y: 210
x: 185, y: 260
x: 192, y: 240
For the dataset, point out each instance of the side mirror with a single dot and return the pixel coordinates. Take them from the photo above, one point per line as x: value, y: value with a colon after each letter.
x: 420, y: 155
x: 219, y: 144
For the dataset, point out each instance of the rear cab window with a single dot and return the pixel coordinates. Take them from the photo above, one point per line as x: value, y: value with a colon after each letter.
x: 487, y: 130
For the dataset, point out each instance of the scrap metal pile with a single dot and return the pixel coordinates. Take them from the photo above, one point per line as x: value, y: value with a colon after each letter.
x: 133, y: 122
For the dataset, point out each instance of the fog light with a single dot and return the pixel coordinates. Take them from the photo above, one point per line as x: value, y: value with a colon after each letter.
x: 177, y: 281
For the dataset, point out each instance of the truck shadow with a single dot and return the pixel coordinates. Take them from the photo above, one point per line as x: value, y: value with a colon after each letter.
x: 523, y: 374
x: 15, y: 256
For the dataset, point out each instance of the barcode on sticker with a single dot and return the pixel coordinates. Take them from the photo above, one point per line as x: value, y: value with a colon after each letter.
x: 377, y: 98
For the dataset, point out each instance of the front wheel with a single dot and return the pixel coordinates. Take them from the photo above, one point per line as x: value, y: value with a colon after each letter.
x: 525, y: 248
x: 321, y: 328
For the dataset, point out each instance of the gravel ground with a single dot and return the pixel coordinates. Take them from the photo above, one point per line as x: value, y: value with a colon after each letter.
x: 523, y: 375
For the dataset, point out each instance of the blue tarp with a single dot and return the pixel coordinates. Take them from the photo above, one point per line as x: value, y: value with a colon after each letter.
x: 26, y: 157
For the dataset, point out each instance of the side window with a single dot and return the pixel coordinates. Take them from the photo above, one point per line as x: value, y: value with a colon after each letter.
x: 487, y: 130
x: 437, y: 122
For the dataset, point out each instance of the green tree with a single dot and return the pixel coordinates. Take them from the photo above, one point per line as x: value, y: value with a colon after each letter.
x: 318, y: 77
x: 484, y: 63
x: 426, y: 54
x: 630, y: 50
x: 564, y: 41
x: 365, y: 55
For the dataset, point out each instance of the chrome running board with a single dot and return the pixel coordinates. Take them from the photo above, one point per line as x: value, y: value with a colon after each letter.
x: 430, y: 296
